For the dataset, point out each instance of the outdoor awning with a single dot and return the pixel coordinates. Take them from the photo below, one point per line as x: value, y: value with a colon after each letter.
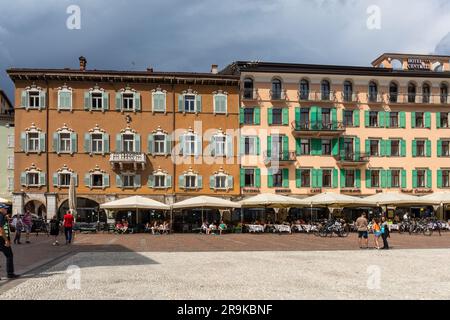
x: 268, y: 200
x: 135, y: 202
x: 437, y: 198
x: 331, y: 199
x: 205, y: 202
x: 394, y: 198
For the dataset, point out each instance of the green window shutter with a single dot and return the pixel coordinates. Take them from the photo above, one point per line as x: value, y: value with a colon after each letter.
x: 285, y: 116
x: 257, y: 115
x: 241, y: 116
x: 297, y: 117
x: 270, y: 179
x: 319, y: 178
x: 381, y: 119
x: 334, y: 118
x: 368, y: 179
x: 439, y: 148
x: 269, y: 146
x: 119, y: 182
x: 387, y: 119
x: 403, y: 120
x: 389, y: 178
x: 383, y: 174
x: 258, y: 146
x: 428, y: 148
x: 242, y: 178
x: 285, y: 178
x: 137, y: 143
x: 87, y: 142
x: 199, y: 182
x: 42, y: 141
x: 358, y: 178
x: 319, y: 116
x: 382, y: 148
x: 316, y: 145
x: 439, y: 179
x: 429, y: 179
x: 414, y: 178
x: 335, y: 144
x: 118, y: 143
x: 56, y: 142
x: 180, y: 103
x: 212, y: 181
x: 87, y: 100
x: 105, y: 96
x: 55, y: 179
x: 313, y: 114
x: 413, y: 119
x: 342, y: 178
x: 87, y: 180
x: 181, y: 182
x: 105, y: 180
x: 414, y: 148
x: 357, y: 148
x: 285, y: 147
x: 341, y: 144
x: 118, y: 101
x: 367, y: 146
x: 388, y: 149
x: 335, y: 178
x: 270, y: 116
x: 428, y: 120
x: 258, y: 178
x: 150, y: 142
x: 404, y: 179
x: 314, y: 178
x: 438, y: 120
x: 298, y: 147
x: 367, y: 118
x: 151, y: 181
x: 356, y: 118
x: 298, y: 181
x: 198, y: 105
x: 74, y: 143
x: 23, y: 141
x: 403, y: 148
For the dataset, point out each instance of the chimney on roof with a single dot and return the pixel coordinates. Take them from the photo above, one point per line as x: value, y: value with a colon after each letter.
x: 83, y: 63
x: 214, y: 69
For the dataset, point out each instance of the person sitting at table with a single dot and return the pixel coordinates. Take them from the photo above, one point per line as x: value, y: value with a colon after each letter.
x: 204, y: 227
x: 212, y: 227
x: 125, y: 226
x: 222, y: 227
x: 165, y: 227
x: 119, y: 227
x: 147, y: 227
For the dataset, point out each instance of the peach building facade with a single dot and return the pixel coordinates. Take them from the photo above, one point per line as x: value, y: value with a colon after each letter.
x: 307, y: 129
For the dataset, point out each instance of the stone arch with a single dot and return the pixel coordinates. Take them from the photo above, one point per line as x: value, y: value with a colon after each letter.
x: 36, y: 207
x: 88, y: 210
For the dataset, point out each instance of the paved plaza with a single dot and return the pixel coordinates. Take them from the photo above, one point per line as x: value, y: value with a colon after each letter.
x: 230, y: 267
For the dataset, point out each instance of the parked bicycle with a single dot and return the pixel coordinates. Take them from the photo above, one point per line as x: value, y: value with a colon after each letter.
x: 338, y: 227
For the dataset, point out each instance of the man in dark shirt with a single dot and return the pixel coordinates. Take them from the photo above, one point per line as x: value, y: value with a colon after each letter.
x: 5, y: 242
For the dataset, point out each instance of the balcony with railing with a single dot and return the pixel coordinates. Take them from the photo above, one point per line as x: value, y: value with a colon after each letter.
x: 349, y: 97
x: 123, y: 160
x: 285, y: 156
x: 329, y: 128
x: 352, y: 159
x: 374, y: 98
x: 278, y: 95
x: 249, y: 94
x: 410, y: 98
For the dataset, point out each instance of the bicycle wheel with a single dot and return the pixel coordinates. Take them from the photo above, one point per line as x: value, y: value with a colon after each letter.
x: 323, y: 233
x: 344, y: 232
x: 427, y: 231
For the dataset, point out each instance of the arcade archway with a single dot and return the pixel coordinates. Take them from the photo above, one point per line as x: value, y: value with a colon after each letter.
x: 36, y: 207
x: 87, y: 210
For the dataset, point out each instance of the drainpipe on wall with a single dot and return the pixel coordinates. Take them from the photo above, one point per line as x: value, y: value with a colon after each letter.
x: 47, y: 166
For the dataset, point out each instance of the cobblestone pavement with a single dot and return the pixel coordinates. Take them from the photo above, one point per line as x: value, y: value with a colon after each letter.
x: 369, y: 274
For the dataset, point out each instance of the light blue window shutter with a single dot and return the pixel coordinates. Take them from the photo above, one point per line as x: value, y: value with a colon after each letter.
x: 105, y: 97
x: 199, y: 182
x: 87, y: 142
x: 23, y: 141
x: 42, y: 99
x: 73, y: 143
x: 23, y: 178
x: 137, y: 181
x: 230, y: 182
x: 198, y: 103
x: 216, y: 104
x: 56, y: 142
x: 42, y: 178
x: 137, y: 101
x: 150, y: 142
x: 42, y: 140
x: 151, y: 181
x: 105, y: 143
x: 137, y: 143
x: 168, y: 144
x: 106, y: 180
x: 87, y: 180
x: 75, y: 175
x: 229, y: 140
x: 213, y: 146
x: 198, y: 147
x: 168, y: 181
x: 87, y: 100
x: 212, y: 181
x: 55, y: 179
x: 24, y: 99
x: 119, y: 182
x: 118, y: 101
x: 181, y: 144
x: 118, y: 143
x: 180, y: 103
x: 181, y: 182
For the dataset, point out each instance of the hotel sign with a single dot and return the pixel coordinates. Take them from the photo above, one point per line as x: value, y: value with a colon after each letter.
x: 418, y: 64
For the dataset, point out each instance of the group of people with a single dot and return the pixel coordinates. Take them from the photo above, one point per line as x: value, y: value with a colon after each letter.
x: 122, y: 226
x: 22, y: 224
x: 380, y: 228
x: 157, y: 227
x: 211, y: 228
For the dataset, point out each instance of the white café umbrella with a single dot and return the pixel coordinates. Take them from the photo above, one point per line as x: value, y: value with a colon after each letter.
x: 72, y: 196
x: 393, y: 198
x: 439, y: 198
x: 5, y: 201
x: 331, y: 199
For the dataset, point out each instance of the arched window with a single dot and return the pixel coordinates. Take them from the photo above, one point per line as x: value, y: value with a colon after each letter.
x: 426, y: 93
x: 412, y: 92
x: 393, y: 92
x: 373, y: 91
x: 276, y: 89
x: 248, y: 88
x: 325, y: 89
x: 348, y: 91
x: 444, y: 93
x: 304, y: 90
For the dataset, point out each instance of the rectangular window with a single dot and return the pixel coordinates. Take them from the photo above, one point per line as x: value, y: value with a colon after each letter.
x: 10, y: 141
x: 128, y: 143
x: 159, y: 144
x: 160, y: 181
x: 220, y: 182
x: 220, y: 104
x: 278, y: 179
x: 326, y: 118
x: 305, y: 146
x: 348, y: 118
x: 444, y: 120
x: 97, y: 143
x: 305, y: 178
x: 420, y: 123
x: 349, y: 178
x: 128, y: 101
x: 64, y: 142
x: 327, y: 178
x: 249, y: 114
x: 277, y: 116
x: 446, y: 178
x: 304, y: 118
x: 159, y: 102
x: 97, y: 180
x: 33, y: 141
x: 395, y: 178
x: 190, y: 181
x: 32, y: 179
x: 326, y: 147
x: 10, y: 163
x: 97, y: 101
x: 373, y: 119
x: 249, y: 146
x: 10, y: 184
x: 249, y: 178
x: 375, y: 178
x: 189, y: 145
x: 128, y: 181
x: 64, y: 179
x: 395, y: 148
x: 374, y: 148
x: 33, y: 99
x: 219, y: 146
x: 446, y: 148
x: 420, y: 145
x: 65, y: 100
x: 189, y: 103
x: 393, y: 120
x: 421, y: 178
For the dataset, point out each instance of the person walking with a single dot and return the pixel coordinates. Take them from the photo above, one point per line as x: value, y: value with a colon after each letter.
x: 385, y: 233
x: 363, y: 234
x: 54, y: 229
x: 27, y: 223
x: 376, y: 231
x: 18, y: 225
x: 68, y: 226
x: 5, y: 242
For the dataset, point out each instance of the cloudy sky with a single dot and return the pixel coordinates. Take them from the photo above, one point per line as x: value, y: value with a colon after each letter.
x: 190, y: 35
